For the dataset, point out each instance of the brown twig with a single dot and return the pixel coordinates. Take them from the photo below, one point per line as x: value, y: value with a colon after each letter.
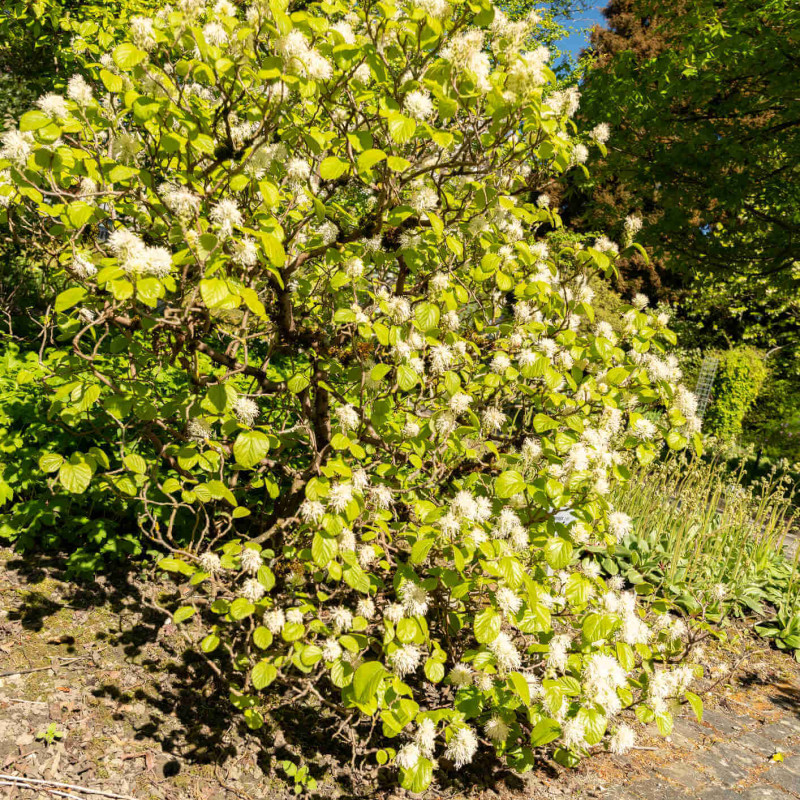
x: 35, y: 783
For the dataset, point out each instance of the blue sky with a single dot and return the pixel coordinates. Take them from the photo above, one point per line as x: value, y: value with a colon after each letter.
x: 582, y: 25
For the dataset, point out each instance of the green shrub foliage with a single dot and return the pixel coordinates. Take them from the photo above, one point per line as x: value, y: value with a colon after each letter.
x: 323, y: 345
x: 740, y: 376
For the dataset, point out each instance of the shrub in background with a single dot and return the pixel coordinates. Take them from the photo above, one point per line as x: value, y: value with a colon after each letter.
x: 740, y: 376
x: 325, y: 351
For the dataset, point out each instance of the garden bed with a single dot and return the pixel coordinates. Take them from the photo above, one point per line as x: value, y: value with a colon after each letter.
x: 139, y: 718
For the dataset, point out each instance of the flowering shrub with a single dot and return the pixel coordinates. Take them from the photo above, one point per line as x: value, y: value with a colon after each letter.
x: 354, y: 390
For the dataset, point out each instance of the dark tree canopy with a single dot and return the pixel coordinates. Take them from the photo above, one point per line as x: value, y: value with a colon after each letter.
x: 702, y: 98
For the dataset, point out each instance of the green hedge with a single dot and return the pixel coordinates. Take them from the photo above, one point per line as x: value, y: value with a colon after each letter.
x: 740, y: 376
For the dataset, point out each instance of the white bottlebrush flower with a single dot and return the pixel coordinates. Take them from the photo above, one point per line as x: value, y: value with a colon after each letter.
x: 500, y: 363
x: 53, y: 106
x: 633, y: 225
x: 644, y: 429
x: 215, y: 34
x: 210, y: 563
x: 251, y: 560
x: 366, y: 608
x: 406, y: 659
x: 346, y: 540
x: 226, y: 215
x: 298, y: 169
x: 180, y: 200
x: 411, y: 429
x: 719, y: 591
x: 580, y: 153
x: 363, y: 74
x: 601, y: 132
x: 331, y: 650
x: 493, y: 419
x: 407, y: 756
x: 508, y: 600
x: 624, y: 739
x: 460, y: 675
x: 198, y: 430
x: 496, y: 729
x: 294, y: 616
x: 462, y: 746
x: 574, y: 734
x: 245, y: 252
x: 506, y: 654
x: 559, y: 652
x: 465, y: 52
x: 415, y: 599
x: 82, y: 266
x: 360, y: 480
x: 619, y: 524
x: 394, y: 612
x: 348, y: 417
x: 342, y: 619
x: 79, y: 91
x: 274, y: 619
x: 311, y: 510
x: 367, y: 555
x: 464, y: 505
x: 252, y: 590
x: 382, y: 497
x: 17, y: 147
x: 438, y: 9
x: 340, y: 496
x: 143, y: 32
x: 246, y: 410
x: 605, y: 245
x: 419, y: 105
x: 423, y: 198
x: 425, y: 737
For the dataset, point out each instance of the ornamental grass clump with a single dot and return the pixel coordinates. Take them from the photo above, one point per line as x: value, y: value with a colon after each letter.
x: 316, y: 330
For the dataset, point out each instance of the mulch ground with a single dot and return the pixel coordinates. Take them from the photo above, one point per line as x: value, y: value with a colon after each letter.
x: 130, y: 713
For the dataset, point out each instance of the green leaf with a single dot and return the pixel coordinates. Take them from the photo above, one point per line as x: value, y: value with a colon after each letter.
x: 126, y: 56
x: 427, y: 316
x: 558, y: 552
x: 75, y: 476
x: 182, y: 614
x: 401, y: 128
x: 33, y: 120
x: 175, y: 565
x: 213, y: 291
x: 520, y: 687
x: 250, y: 448
x: 241, y: 608
x: 541, y: 422
x: 509, y: 484
x: 263, y: 674
x: 434, y: 670
x: 210, y: 643
x: 369, y: 158
x: 487, y: 625
x: 544, y: 732
x: 366, y: 680
x: 50, y: 462
x: 273, y: 249
x: 398, y: 164
x: 407, y: 378
x: 332, y: 168
x: 135, y: 463
x: 262, y: 638
x: 419, y: 778
x: 697, y: 705
x: 69, y: 298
